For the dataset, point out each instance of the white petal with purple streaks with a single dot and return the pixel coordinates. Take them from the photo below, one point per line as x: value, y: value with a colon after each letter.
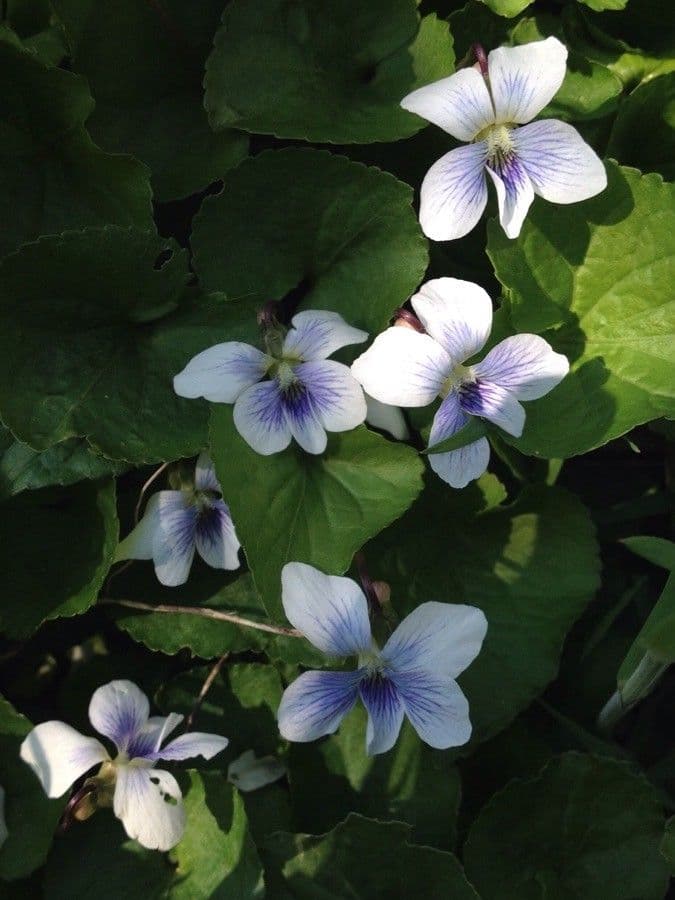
x: 191, y: 744
x: 316, y: 703
x: 149, y: 803
x: 524, y: 79
x: 205, y: 474
x: 456, y: 313
x: 494, y: 403
x: 260, y: 418
x: 331, y: 611
x: 174, y: 539
x: 456, y: 467
x: 316, y: 334
x: 403, y: 368
x: 454, y: 193
x: 119, y: 710
x: 222, y: 372
x: 560, y: 164
x: 215, y: 538
x: 441, y: 638
x: 59, y: 755
x: 336, y: 395
x: 303, y: 419
x: 459, y: 104
x: 436, y: 707
x: 385, y: 713
x: 514, y: 194
x: 525, y: 365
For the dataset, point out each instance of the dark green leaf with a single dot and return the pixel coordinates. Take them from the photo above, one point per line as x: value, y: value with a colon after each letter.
x: 91, y: 335
x: 294, y: 506
x: 31, y: 817
x: 654, y: 103
x: 323, y: 72
x: 56, y: 547
x: 474, y: 429
x: 586, y: 828
x: 361, y: 858
x: 654, y: 549
x: 152, y: 105
x: 345, y: 235
x: 52, y: 176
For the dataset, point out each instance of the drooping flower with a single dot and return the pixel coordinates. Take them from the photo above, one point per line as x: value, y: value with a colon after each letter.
x: 413, y: 674
x: 409, y: 368
x: 291, y: 391
x: 176, y: 523
x: 147, y: 800
x: 486, y: 106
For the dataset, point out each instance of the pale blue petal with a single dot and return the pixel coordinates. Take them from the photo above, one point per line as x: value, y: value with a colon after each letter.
x: 454, y: 194
x: 441, y: 638
x: 385, y: 713
x: 316, y: 333
x: 525, y: 365
x: 119, y: 710
x: 260, y: 418
x: 335, y: 396
x: 194, y: 743
x: 215, y: 538
x: 492, y: 402
x: 221, y: 373
x: 436, y: 707
x: 456, y: 467
x: 174, y: 539
x: 316, y: 703
x: 331, y: 611
x: 515, y: 193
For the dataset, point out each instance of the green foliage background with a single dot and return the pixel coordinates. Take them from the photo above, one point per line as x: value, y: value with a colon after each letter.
x: 165, y: 169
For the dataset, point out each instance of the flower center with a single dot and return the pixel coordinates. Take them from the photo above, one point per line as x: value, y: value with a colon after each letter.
x: 499, y: 144
x: 459, y: 375
x: 371, y: 660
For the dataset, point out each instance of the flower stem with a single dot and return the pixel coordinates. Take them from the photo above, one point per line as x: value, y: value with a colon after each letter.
x: 636, y: 688
x: 205, y: 612
x: 206, y: 687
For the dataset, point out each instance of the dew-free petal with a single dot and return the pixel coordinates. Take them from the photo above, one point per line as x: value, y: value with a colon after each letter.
x: 525, y: 365
x: 191, y: 744
x: 149, y: 803
x: 316, y: 334
x: 454, y: 193
x: 336, y: 396
x: 515, y: 194
x: 222, y: 372
x: 119, y: 710
x: 456, y: 467
x: 260, y: 418
x: 459, y: 104
x: 436, y: 707
x: 492, y: 402
x: 215, y: 538
x: 174, y: 539
x: 456, y: 313
x: 385, y: 713
x: 331, y: 611
x: 316, y: 703
x: 524, y: 79
x: 59, y: 755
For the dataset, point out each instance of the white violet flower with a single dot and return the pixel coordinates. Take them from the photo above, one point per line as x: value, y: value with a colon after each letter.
x: 147, y: 800
x: 176, y: 523
x: 485, y: 106
x: 413, y: 674
x: 291, y: 391
x: 408, y: 368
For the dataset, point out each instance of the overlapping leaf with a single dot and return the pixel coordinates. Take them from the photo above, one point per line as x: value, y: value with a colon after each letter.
x: 595, y: 278
x: 152, y: 105
x: 52, y: 176
x: 323, y: 72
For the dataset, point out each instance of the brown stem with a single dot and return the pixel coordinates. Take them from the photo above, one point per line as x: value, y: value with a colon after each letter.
x: 204, y: 612
x: 155, y: 475
x: 206, y: 687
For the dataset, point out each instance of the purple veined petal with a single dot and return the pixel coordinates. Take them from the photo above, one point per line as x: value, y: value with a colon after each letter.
x: 514, y: 194
x: 337, y: 397
x: 459, y: 104
x: 560, y: 164
x: 173, y: 547
x: 191, y: 744
x: 436, y: 707
x: 385, y: 713
x: 205, y: 474
x: 221, y: 373
x: 440, y: 638
x: 119, y: 710
x: 456, y: 467
x: 524, y: 79
x: 525, y: 365
x: 215, y: 538
x: 316, y: 334
x: 315, y: 704
x: 492, y: 402
x: 331, y: 611
x: 457, y: 314
x: 149, y: 803
x: 59, y: 755
x: 403, y: 368
x: 260, y: 418
x: 138, y: 544
x: 151, y: 736
x: 454, y: 194
x: 386, y: 418
x: 302, y: 417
